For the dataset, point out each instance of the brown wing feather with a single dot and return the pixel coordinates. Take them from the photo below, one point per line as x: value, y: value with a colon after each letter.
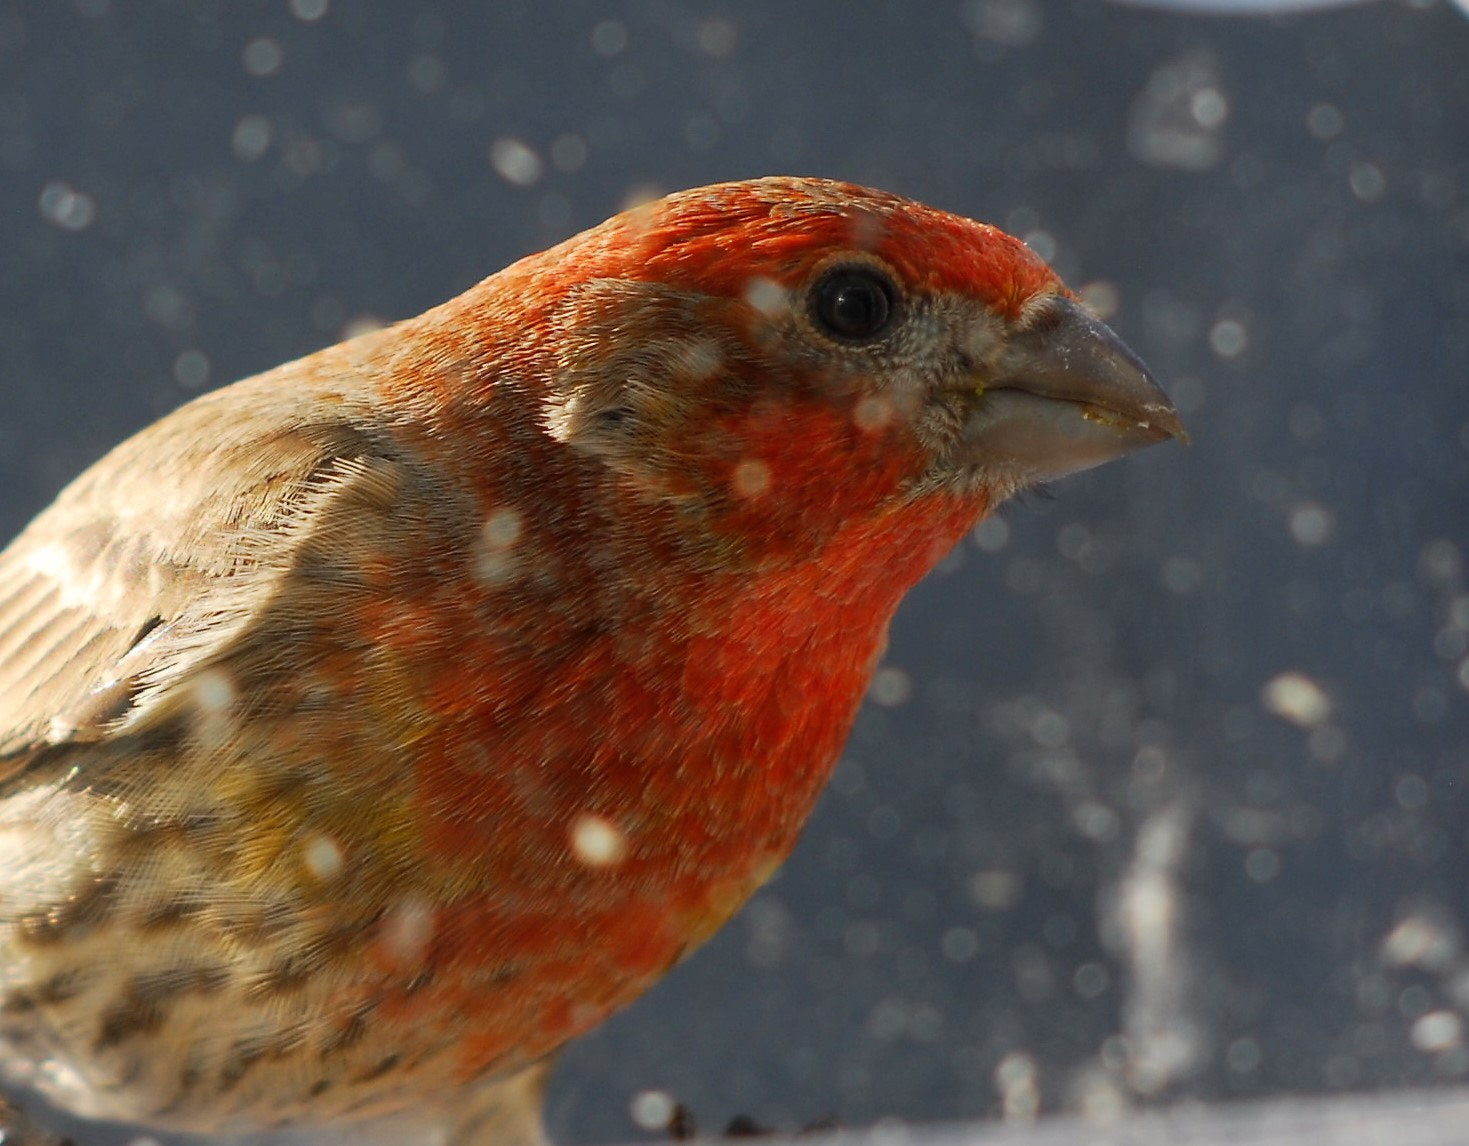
x: 159, y: 557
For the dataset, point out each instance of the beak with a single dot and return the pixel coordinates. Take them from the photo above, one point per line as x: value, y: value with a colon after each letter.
x: 1067, y: 395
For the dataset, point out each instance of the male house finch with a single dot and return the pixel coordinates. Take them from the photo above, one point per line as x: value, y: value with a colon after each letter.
x: 373, y: 726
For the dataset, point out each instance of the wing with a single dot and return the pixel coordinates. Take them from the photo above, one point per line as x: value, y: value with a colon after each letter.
x: 166, y: 554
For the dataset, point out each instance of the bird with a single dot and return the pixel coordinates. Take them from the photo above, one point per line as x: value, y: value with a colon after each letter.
x: 375, y: 725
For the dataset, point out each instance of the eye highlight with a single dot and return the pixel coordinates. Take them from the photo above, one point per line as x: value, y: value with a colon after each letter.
x: 854, y: 303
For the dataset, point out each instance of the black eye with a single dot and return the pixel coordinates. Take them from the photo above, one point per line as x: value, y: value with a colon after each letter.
x: 854, y: 303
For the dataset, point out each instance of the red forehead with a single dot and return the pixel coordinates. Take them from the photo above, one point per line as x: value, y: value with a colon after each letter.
x: 723, y: 237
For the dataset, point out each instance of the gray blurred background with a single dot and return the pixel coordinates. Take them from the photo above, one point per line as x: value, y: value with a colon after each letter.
x: 1164, y: 790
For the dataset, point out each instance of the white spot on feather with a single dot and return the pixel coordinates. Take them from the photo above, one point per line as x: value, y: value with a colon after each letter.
x: 213, y: 692
x: 496, y: 561
x: 597, y: 842
x: 768, y: 297
x: 872, y: 414
x: 751, y: 478
x: 322, y: 857
x: 407, y: 929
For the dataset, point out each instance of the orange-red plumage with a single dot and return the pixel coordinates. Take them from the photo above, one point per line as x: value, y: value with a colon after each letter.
x: 461, y: 678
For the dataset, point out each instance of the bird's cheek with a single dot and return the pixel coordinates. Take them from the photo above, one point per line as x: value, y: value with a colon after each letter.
x: 805, y: 467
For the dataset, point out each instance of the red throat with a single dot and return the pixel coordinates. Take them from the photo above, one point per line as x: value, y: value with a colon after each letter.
x: 759, y: 686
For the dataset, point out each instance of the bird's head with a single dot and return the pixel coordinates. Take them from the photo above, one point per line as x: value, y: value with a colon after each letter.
x: 778, y: 355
